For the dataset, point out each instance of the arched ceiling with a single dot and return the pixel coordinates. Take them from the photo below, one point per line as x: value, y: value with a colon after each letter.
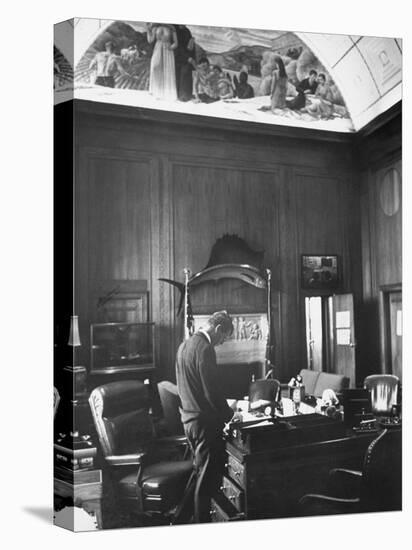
x: 367, y: 70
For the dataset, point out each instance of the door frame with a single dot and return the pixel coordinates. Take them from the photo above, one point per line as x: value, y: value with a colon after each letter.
x: 384, y: 324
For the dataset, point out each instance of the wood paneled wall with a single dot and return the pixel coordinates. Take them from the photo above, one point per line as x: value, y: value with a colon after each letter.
x: 381, y: 236
x: 153, y: 197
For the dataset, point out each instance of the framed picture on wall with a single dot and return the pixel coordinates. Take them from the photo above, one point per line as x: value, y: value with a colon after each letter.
x: 320, y: 272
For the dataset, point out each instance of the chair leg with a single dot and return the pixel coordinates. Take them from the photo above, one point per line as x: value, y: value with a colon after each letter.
x: 179, y: 517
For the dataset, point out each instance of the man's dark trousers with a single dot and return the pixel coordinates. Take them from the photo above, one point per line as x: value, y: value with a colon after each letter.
x: 208, y: 450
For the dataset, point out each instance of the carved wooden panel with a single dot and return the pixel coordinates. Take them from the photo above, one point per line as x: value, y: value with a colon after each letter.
x: 120, y: 301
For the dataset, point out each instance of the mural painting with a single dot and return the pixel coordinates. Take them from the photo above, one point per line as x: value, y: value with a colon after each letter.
x: 257, y: 75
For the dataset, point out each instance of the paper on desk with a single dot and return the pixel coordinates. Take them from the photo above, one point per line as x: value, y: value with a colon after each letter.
x: 243, y: 405
x: 258, y: 424
x: 248, y: 417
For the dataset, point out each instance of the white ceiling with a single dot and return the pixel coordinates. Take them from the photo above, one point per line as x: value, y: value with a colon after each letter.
x: 367, y: 70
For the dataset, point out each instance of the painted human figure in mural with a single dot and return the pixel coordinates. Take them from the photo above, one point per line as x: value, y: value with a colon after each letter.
x: 106, y: 64
x: 130, y: 54
x: 221, y: 83
x: 243, y: 90
x: 303, y: 88
x: 162, y: 65
x: 185, y: 62
x: 279, y: 85
x: 203, y: 88
x: 322, y: 104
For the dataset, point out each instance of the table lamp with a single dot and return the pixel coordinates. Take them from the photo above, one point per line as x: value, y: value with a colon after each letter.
x: 75, y: 382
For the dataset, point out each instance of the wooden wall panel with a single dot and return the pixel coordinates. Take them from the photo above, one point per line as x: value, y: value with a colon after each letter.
x: 388, y: 232
x: 119, y: 224
x: 113, y: 229
x: 381, y: 255
x: 319, y: 217
x: 153, y: 199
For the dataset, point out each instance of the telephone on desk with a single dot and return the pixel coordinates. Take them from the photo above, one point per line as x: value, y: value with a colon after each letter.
x: 366, y: 426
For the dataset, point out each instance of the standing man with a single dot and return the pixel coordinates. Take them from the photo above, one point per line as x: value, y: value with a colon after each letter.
x: 106, y: 64
x: 204, y: 408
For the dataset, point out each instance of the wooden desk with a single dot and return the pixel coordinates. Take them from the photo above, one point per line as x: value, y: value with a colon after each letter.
x: 269, y: 483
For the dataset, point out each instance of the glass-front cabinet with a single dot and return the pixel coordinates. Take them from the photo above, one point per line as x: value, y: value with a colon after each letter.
x: 121, y: 347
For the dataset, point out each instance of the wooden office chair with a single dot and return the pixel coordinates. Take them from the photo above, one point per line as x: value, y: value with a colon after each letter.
x: 384, y: 392
x: 145, y: 471
x: 377, y: 488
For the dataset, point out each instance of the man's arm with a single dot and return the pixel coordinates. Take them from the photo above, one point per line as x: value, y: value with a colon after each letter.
x: 211, y: 385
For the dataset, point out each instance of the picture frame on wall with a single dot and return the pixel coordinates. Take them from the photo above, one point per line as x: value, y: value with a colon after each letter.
x: 320, y: 271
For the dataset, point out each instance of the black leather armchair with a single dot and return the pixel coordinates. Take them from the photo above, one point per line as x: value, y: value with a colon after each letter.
x: 377, y: 488
x: 145, y: 470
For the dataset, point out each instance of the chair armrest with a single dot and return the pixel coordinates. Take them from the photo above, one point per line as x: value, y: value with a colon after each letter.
x: 344, y: 483
x: 126, y: 460
x: 313, y: 504
x: 171, y: 441
x: 344, y: 473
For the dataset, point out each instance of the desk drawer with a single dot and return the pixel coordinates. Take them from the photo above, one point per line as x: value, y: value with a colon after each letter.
x: 236, y: 470
x: 223, y: 510
x: 233, y: 493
